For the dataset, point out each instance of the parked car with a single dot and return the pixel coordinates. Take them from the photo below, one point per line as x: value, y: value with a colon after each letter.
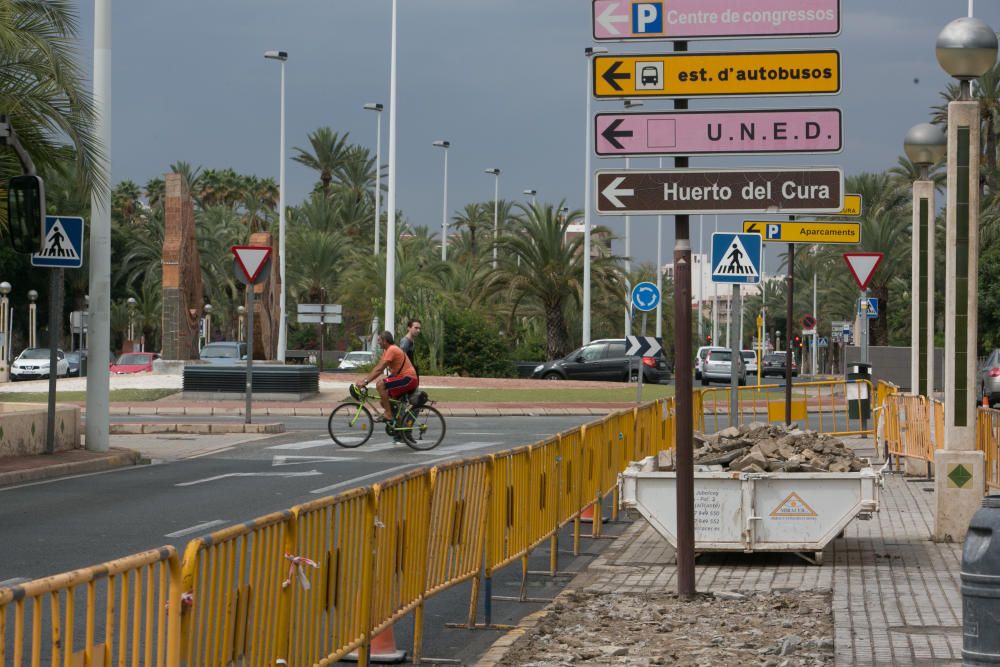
x: 774, y: 364
x: 603, y: 360
x: 357, y: 359
x: 699, y: 358
x: 988, y: 384
x: 75, y: 360
x: 134, y: 362
x: 33, y: 364
x: 224, y: 353
x: 718, y: 367
x: 750, y: 361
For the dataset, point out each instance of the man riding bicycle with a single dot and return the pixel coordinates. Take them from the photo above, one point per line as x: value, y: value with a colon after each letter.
x: 401, y: 380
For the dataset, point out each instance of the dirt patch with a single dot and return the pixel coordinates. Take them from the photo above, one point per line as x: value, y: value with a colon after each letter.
x: 793, y: 629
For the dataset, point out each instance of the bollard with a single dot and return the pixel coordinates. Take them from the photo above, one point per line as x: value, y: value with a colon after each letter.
x: 981, y: 586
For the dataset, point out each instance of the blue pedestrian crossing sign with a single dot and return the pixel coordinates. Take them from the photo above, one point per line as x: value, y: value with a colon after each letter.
x: 736, y: 258
x: 868, y: 305
x: 645, y: 297
x: 62, y: 247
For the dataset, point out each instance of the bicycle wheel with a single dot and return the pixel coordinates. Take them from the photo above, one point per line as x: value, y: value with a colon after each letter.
x: 350, y: 424
x: 427, y: 429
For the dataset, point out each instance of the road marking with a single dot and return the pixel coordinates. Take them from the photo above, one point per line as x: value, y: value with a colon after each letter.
x: 210, y: 453
x: 308, y: 444
x: 16, y: 581
x: 194, y: 529
x: 309, y: 473
x: 291, y: 460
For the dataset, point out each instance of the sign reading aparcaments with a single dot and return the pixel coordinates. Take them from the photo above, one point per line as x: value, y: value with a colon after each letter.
x: 762, y: 190
x: 627, y: 20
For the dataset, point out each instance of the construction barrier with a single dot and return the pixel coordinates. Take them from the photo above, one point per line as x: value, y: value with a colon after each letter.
x: 907, y: 420
x: 311, y: 585
x: 988, y: 442
x: 831, y: 407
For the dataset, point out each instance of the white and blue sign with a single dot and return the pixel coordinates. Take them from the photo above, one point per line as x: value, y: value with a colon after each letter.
x: 647, y: 17
x: 823, y: 342
x: 736, y: 258
x: 63, y: 244
x: 645, y: 297
x: 872, y: 307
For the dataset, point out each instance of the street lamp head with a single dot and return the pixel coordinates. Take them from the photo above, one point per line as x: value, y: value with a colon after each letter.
x: 494, y: 171
x: 925, y: 144
x: 276, y: 55
x: 5, y: 288
x: 241, y: 310
x: 131, y: 302
x: 966, y: 48
x: 441, y: 143
x: 208, y: 309
x: 32, y: 295
x: 374, y: 106
x: 531, y: 193
x: 594, y: 51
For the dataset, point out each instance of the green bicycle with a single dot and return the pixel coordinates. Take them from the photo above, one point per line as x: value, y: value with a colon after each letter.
x: 414, y: 420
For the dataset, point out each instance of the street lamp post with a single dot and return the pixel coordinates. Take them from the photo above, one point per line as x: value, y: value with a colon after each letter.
x: 629, y: 104
x: 377, y: 108
x: 131, y: 318
x: 241, y: 312
x: 208, y: 323
x: 441, y: 143
x: 390, y: 233
x: 589, y: 52
x: 966, y: 49
x: 32, y: 318
x: 925, y: 145
x: 531, y: 193
x: 496, y: 210
x: 282, y: 57
x: 5, y: 324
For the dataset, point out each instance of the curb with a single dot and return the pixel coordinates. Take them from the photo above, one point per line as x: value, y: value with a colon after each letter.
x: 193, y: 428
x: 496, y: 655
x: 116, y: 457
x: 479, y: 411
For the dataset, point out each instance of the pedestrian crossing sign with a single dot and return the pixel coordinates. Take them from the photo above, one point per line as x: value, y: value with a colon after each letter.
x: 62, y: 247
x: 736, y: 258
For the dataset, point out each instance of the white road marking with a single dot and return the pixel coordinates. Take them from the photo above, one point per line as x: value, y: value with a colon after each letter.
x: 211, y: 453
x: 308, y: 444
x: 197, y: 528
x: 291, y: 460
x: 309, y: 473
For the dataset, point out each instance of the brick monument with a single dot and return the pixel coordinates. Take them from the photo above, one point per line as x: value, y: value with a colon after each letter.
x: 266, y: 318
x: 182, y: 289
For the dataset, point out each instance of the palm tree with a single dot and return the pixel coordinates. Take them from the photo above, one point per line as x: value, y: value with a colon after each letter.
x: 539, y: 265
x: 43, y: 91
x: 126, y: 206
x: 474, y: 217
x: 329, y: 151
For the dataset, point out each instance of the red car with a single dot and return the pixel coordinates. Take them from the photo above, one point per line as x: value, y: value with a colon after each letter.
x: 134, y: 362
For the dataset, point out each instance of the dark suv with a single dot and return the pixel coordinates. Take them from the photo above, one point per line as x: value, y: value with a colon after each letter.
x: 603, y: 360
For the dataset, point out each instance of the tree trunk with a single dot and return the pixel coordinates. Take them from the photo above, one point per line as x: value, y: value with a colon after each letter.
x: 556, y: 336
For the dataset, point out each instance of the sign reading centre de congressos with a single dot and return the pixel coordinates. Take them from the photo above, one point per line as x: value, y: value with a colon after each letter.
x: 762, y: 190
x: 718, y: 132
x: 624, y: 20
x: 805, y: 231
x: 717, y: 74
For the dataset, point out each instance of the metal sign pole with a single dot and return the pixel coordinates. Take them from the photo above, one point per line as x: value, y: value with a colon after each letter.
x: 638, y: 384
x: 249, y: 388
x: 788, y: 332
x: 864, y: 328
x: 734, y: 365
x: 55, y: 311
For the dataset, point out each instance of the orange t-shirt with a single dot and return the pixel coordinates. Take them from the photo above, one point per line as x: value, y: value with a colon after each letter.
x: 399, y: 364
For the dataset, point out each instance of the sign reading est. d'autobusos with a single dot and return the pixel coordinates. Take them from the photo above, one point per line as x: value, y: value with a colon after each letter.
x: 669, y: 191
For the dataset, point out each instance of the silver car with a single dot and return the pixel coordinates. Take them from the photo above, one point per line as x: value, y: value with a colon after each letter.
x: 988, y: 382
x: 718, y: 367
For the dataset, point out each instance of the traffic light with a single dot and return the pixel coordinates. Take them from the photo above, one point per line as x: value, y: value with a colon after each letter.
x: 798, y: 341
x: 708, y: 339
x: 26, y: 212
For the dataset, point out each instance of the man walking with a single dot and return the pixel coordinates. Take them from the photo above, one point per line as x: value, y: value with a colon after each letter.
x: 407, y: 343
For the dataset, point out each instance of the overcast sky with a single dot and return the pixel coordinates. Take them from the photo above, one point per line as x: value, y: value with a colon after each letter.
x: 503, y: 80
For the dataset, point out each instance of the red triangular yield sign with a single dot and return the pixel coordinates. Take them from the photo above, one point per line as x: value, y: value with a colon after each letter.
x: 251, y: 259
x: 863, y: 265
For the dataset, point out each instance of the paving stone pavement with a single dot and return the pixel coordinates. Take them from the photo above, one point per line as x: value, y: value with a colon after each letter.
x: 896, y: 594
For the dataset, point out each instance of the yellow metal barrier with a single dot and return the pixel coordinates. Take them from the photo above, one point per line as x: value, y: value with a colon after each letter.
x: 988, y: 441
x: 908, y: 426
x: 825, y: 406
x: 128, y: 610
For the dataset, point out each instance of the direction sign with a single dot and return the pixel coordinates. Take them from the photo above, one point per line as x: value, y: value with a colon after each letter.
x: 645, y: 297
x: 718, y: 132
x: 622, y: 20
x: 736, y: 258
x: 823, y: 342
x: 642, y: 346
x: 862, y: 266
x: 852, y: 206
x: 805, y: 231
x: 250, y: 260
x: 63, y: 244
x: 763, y: 190
x: 717, y: 74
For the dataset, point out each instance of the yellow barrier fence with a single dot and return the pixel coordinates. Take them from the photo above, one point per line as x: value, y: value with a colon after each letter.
x: 988, y: 441
x: 124, y: 612
x: 831, y: 407
x: 907, y: 420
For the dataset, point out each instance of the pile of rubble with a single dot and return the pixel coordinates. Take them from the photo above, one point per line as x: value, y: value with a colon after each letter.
x: 769, y: 448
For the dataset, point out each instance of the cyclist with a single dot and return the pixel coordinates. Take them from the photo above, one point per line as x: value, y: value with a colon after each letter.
x: 402, y: 377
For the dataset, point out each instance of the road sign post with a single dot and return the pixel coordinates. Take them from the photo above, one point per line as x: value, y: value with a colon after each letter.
x: 645, y: 297
x: 638, y: 347
x: 251, y: 266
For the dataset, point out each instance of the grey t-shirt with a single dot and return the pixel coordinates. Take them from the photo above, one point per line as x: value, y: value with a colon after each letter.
x: 406, y: 345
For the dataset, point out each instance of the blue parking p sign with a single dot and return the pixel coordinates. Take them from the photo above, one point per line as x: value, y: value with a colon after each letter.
x: 62, y: 247
x: 647, y: 18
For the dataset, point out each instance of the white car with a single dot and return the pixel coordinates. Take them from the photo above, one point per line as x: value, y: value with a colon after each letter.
x: 356, y: 359
x: 699, y: 359
x: 33, y: 364
x: 750, y: 361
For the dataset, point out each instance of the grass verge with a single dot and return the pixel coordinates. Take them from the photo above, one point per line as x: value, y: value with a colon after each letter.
x: 117, y: 395
x: 551, y: 393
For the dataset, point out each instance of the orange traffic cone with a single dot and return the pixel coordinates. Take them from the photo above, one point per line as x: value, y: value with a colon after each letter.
x: 587, y: 515
x: 986, y: 401
x: 382, y: 650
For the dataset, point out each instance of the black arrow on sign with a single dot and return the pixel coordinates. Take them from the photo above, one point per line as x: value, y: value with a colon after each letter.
x: 752, y: 229
x: 612, y: 75
x: 611, y: 133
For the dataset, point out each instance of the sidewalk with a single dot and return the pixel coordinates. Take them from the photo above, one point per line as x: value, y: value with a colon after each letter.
x: 896, y: 595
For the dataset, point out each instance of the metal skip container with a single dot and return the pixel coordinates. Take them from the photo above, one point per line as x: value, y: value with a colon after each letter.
x: 751, y: 512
